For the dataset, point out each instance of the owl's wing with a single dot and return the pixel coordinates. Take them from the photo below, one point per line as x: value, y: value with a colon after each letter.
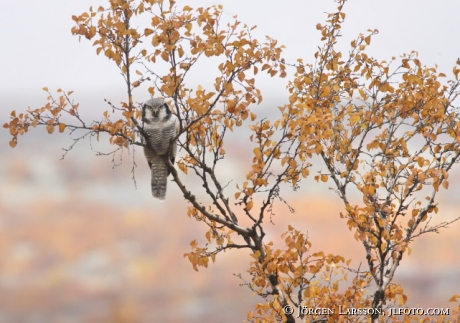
x: 169, y: 133
x: 174, y: 147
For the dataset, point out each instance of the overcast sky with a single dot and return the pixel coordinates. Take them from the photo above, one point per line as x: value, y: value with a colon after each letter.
x: 38, y: 49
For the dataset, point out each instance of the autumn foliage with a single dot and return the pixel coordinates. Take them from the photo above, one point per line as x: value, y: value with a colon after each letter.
x: 387, y: 134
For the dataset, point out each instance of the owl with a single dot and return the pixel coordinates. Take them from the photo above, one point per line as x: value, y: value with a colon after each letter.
x: 160, y: 128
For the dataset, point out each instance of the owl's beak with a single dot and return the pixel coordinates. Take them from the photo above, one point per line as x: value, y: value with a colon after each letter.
x: 155, y: 111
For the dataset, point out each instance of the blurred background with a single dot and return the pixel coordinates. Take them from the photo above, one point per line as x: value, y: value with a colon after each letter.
x: 79, y: 242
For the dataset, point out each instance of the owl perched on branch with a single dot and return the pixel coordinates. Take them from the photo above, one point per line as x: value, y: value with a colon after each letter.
x: 160, y: 128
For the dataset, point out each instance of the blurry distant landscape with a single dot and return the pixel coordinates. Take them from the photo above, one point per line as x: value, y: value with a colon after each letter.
x: 79, y: 242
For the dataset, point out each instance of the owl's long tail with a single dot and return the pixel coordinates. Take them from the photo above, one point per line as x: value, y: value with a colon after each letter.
x: 159, y: 171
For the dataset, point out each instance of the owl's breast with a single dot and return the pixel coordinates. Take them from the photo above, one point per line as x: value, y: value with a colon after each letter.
x: 156, y: 139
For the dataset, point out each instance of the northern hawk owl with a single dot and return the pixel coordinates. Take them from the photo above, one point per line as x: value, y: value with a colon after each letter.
x: 160, y: 128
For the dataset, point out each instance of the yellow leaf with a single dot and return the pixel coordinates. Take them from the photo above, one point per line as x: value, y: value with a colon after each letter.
x: 421, y: 161
x: 165, y: 56
x: 50, y: 128
x: 402, y: 300
x: 194, y: 244
x: 371, y: 190
x: 13, y: 142
x: 45, y: 89
x: 181, y: 51
x: 182, y: 167
x: 62, y: 127
x: 405, y: 63
x: 454, y: 298
x: 265, y: 66
x: 305, y: 172
x: 326, y: 90
x: 249, y: 205
x: 148, y: 31
x: 257, y: 153
x: 368, y: 40
x: 92, y: 31
x: 324, y: 178
x: 445, y: 184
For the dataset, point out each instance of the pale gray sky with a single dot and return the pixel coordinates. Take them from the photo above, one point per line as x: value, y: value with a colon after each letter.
x: 38, y: 49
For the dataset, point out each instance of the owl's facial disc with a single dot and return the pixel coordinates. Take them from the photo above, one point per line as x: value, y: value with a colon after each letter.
x: 155, y: 110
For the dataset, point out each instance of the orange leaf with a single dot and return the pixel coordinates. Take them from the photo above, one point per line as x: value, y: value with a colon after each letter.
x: 421, y: 161
x: 50, y: 128
x: 368, y: 40
x: 181, y: 51
x: 402, y: 300
x: 445, y: 184
x: 165, y: 56
x: 265, y: 66
x: 62, y: 127
x: 13, y: 142
x: 92, y: 31
x: 454, y: 298
x: 194, y: 244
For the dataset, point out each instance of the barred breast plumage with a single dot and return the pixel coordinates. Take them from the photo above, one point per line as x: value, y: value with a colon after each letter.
x: 160, y: 127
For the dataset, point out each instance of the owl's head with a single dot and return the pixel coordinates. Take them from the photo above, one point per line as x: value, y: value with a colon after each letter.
x: 155, y: 109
